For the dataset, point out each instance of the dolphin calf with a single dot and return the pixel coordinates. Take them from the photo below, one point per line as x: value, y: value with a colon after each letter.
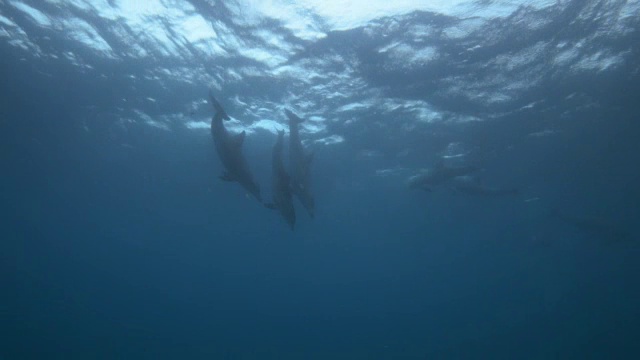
x: 229, y: 149
x: 438, y: 175
x: 300, y: 165
x: 282, y: 195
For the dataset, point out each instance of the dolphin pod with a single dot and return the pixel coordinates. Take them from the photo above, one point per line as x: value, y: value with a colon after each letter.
x: 284, y: 187
x: 297, y: 183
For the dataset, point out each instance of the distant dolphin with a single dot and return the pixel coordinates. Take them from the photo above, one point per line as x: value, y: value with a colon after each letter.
x: 438, y: 175
x: 598, y: 228
x: 229, y: 148
x: 471, y: 185
x: 300, y: 165
x: 282, y: 195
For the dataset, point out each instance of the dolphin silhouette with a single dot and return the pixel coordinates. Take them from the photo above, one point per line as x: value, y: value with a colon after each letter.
x: 438, y: 175
x: 300, y: 165
x: 282, y: 195
x: 596, y: 227
x: 229, y: 149
x: 471, y: 185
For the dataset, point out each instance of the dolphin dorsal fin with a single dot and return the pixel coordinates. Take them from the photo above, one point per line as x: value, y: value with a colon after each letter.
x: 238, y: 140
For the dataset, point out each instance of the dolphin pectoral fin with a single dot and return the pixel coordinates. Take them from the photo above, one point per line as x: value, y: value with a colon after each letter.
x: 238, y: 140
x: 216, y: 105
x: 271, y: 206
x: 226, y: 177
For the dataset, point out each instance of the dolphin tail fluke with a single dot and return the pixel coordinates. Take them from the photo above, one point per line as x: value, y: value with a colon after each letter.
x: 216, y: 105
x: 293, y: 118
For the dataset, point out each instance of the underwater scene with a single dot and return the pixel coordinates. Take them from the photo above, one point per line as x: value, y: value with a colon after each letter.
x: 319, y: 179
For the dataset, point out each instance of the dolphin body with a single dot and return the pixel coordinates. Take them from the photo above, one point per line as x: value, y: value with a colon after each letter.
x: 597, y: 228
x: 471, y: 186
x: 300, y: 165
x: 229, y: 149
x: 282, y: 194
x: 438, y: 175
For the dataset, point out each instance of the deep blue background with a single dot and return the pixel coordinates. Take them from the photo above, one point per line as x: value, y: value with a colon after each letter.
x: 111, y: 251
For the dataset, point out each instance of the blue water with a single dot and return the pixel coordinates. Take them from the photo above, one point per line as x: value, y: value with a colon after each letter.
x: 118, y: 240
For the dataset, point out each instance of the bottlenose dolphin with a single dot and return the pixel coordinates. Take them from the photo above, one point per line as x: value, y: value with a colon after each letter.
x: 438, y: 175
x: 471, y: 185
x: 300, y: 165
x: 282, y: 195
x: 229, y: 149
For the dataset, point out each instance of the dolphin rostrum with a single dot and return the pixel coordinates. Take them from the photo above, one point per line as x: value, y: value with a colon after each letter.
x: 300, y: 165
x: 282, y: 196
x: 229, y: 148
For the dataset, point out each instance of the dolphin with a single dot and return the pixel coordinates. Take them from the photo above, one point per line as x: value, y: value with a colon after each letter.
x: 282, y: 195
x: 598, y: 228
x: 300, y: 165
x: 471, y: 185
x: 438, y: 175
x: 229, y: 149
